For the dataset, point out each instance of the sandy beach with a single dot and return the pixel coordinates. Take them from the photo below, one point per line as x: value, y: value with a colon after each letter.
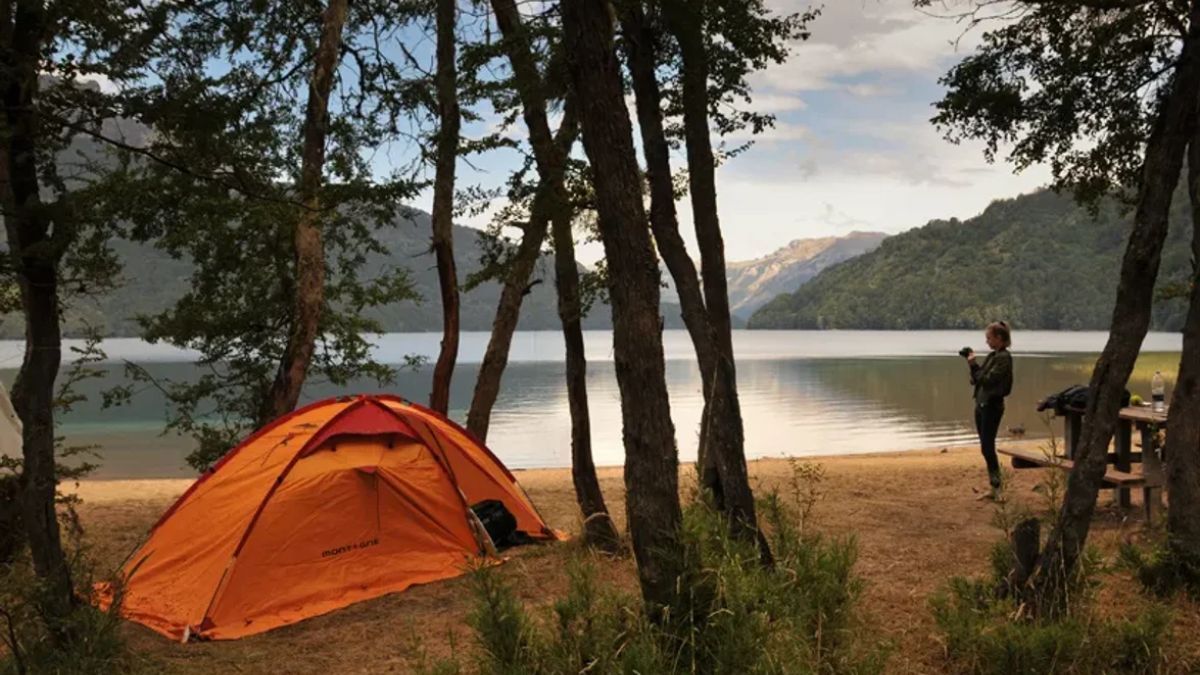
x: 915, y: 515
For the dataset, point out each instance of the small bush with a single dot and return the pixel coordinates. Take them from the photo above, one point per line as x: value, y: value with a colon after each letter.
x: 983, y: 635
x: 987, y: 629
x: 1162, y: 570
x: 91, y: 642
x: 592, y: 630
x: 731, y: 615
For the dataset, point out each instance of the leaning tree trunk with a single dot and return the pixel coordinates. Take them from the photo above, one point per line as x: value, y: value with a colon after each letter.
x: 533, y: 108
x: 550, y: 155
x: 35, y: 254
x: 443, y: 203
x: 508, y: 312
x: 1182, y: 450
x: 1161, y: 170
x: 309, y: 250
x: 651, y: 460
x: 723, y: 434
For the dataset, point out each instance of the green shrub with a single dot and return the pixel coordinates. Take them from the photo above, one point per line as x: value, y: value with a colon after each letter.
x: 592, y: 630
x: 91, y: 642
x: 1162, y: 570
x: 988, y: 629
x: 731, y: 615
x: 986, y: 635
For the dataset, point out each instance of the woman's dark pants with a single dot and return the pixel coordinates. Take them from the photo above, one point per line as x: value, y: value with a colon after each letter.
x: 987, y: 423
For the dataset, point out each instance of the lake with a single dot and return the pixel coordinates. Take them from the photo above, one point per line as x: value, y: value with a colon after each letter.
x: 803, y: 393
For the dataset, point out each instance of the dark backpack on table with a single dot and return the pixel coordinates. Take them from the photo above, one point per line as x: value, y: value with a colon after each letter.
x: 1074, y: 397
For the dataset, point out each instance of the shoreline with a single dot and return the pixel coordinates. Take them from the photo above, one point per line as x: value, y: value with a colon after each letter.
x: 114, y: 490
x: 915, y: 517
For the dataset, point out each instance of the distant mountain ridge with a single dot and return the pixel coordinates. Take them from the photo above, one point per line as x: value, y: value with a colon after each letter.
x: 153, y: 281
x: 1039, y: 261
x: 754, y: 283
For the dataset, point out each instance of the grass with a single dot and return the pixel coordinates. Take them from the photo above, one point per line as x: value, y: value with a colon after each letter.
x: 1162, y: 570
x: 88, y: 641
x: 731, y: 614
x: 988, y: 630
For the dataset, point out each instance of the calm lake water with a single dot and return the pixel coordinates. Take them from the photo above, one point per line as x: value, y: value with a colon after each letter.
x: 802, y: 393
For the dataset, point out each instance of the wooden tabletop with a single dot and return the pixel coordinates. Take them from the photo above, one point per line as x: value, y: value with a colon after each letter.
x: 1134, y: 413
x: 1144, y: 414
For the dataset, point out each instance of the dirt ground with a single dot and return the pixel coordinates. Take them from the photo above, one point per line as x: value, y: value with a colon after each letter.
x: 915, y: 515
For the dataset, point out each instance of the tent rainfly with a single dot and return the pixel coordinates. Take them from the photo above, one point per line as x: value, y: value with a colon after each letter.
x: 343, y: 500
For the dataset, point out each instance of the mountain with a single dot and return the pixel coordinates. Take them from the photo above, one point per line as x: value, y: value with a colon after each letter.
x: 754, y: 283
x: 1038, y: 261
x: 152, y: 281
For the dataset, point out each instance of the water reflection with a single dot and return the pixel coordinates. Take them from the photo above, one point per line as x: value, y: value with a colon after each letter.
x: 816, y: 404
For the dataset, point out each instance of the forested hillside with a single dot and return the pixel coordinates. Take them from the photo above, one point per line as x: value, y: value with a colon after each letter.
x: 1038, y: 261
x: 151, y: 281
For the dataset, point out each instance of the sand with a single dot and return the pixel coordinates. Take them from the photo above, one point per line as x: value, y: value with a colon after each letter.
x: 915, y: 516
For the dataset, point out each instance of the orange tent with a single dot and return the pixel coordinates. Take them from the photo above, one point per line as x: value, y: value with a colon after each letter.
x: 343, y: 500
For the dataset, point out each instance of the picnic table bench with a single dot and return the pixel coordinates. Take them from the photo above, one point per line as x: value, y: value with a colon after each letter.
x: 1119, y: 474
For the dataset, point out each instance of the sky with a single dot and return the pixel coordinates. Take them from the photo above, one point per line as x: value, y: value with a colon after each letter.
x: 852, y: 149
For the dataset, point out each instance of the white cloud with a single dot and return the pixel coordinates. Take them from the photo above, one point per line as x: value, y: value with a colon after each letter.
x: 769, y: 103
x: 853, y: 38
x: 780, y: 132
x: 858, y: 153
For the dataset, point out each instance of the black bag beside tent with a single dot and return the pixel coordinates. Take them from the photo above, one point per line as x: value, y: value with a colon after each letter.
x: 500, y: 523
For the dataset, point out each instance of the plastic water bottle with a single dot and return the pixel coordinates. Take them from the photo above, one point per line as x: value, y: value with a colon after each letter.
x: 1158, y: 392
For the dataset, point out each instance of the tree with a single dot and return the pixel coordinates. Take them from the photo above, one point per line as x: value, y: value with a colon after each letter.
x: 640, y: 41
x: 1125, y: 76
x: 30, y: 228
x: 741, y: 37
x: 443, y: 200
x: 57, y: 243
x: 722, y: 429
x: 651, y: 459
x: 309, y: 250
x: 1183, y: 419
x: 220, y: 181
x: 529, y: 82
x: 551, y: 201
x: 598, y: 527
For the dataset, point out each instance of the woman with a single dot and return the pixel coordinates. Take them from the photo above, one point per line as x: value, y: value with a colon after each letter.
x: 993, y: 381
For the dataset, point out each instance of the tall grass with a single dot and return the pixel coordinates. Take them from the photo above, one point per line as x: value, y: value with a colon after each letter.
x: 730, y: 615
x: 1162, y: 570
x: 988, y: 630
x: 89, y: 640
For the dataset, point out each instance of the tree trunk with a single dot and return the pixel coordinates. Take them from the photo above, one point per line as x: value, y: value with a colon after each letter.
x: 35, y: 256
x: 1182, y: 450
x: 309, y: 250
x: 1024, y: 544
x: 639, y: 51
x: 550, y: 156
x: 508, y: 312
x: 598, y: 527
x: 533, y: 108
x: 443, y: 203
x: 723, y: 434
x: 651, y: 460
x: 1131, y: 319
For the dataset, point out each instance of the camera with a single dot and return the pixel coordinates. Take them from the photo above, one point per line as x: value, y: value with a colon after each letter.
x: 965, y: 352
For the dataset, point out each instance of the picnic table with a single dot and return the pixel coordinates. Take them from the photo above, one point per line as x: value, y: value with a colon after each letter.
x: 1119, y: 476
